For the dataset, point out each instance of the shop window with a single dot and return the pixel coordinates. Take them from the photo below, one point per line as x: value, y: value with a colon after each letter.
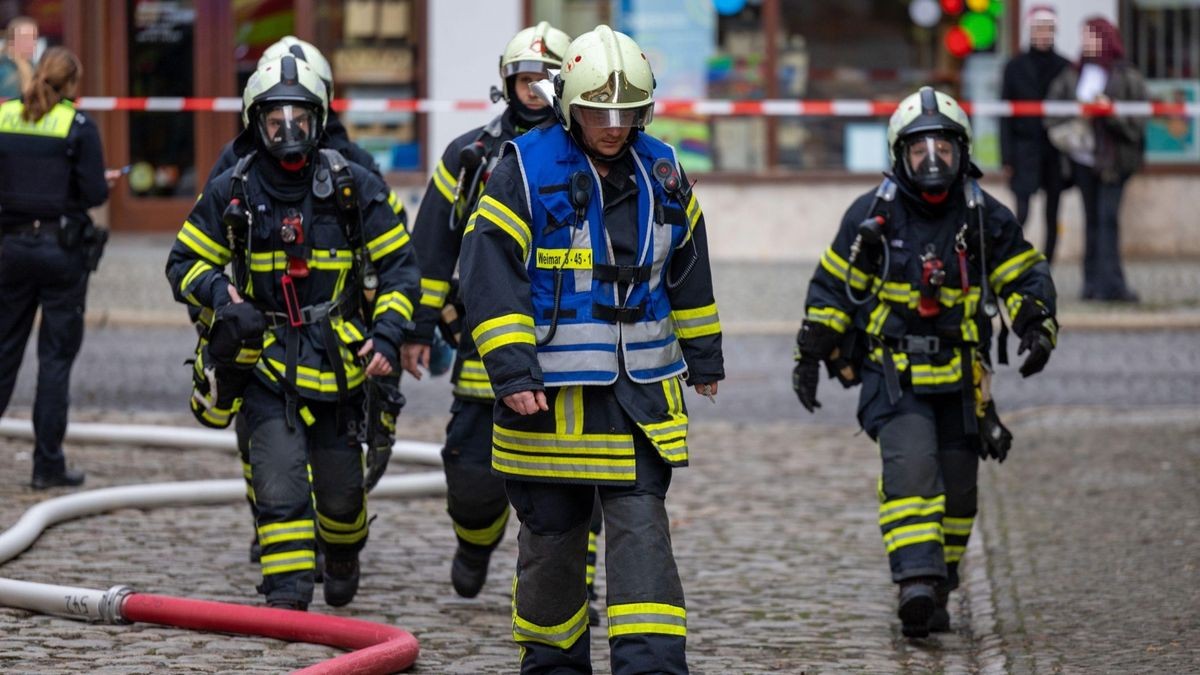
x: 258, y: 25
x: 161, y: 144
x: 372, y: 47
x: 1162, y: 38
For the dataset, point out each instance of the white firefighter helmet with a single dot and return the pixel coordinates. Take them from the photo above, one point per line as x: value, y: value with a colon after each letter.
x: 605, y: 80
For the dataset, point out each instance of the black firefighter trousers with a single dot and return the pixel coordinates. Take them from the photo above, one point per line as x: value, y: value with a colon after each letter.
x: 646, y: 611
x: 294, y: 517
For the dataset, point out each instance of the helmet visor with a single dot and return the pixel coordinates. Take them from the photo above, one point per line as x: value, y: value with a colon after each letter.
x: 933, y: 161
x: 603, y: 118
x: 515, y: 67
x: 290, y: 126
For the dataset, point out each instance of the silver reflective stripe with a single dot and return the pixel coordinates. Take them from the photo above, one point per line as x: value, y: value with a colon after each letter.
x: 581, y: 469
x: 604, y: 360
x: 562, y: 639
x: 569, y: 399
x: 590, y: 445
x: 647, y: 618
x: 633, y: 335
x: 646, y: 187
x: 581, y: 238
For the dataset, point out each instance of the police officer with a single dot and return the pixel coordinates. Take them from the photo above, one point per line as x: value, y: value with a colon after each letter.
x: 475, y: 497
x: 386, y: 390
x: 587, y: 285
x: 903, y: 300
x: 51, y: 173
x: 305, y: 230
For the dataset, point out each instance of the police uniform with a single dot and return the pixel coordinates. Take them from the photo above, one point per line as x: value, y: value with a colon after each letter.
x: 607, y: 306
x: 51, y: 173
x: 316, y: 328
x: 920, y: 373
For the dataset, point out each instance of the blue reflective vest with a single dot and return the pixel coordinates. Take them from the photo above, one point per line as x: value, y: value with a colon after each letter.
x: 593, y: 322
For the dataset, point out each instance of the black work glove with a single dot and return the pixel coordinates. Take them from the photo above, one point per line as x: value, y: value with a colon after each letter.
x: 814, y: 343
x: 1039, y: 335
x: 994, y: 438
x: 805, y: 377
x: 235, y: 326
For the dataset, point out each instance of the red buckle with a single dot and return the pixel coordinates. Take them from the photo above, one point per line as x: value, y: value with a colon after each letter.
x: 297, y: 267
x: 291, y: 301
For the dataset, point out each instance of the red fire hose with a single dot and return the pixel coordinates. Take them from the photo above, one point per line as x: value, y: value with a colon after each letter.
x: 377, y: 648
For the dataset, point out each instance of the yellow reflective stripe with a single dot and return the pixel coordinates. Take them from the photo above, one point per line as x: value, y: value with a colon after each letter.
x: 693, y: 216
x: 877, y: 318
x: 394, y: 201
x: 194, y: 272
x: 277, y: 261
x: 444, y: 181
x: 314, y: 379
x: 910, y: 507
x: 473, y: 380
x: 953, y: 554
x: 613, y: 445
x: 214, y: 416
x: 484, y: 536
x: 829, y: 316
x: 338, y: 532
x: 394, y: 301
x: 247, y: 356
x: 646, y: 617
x: 506, y: 220
x: 1007, y: 271
x: 568, y: 411
x: 697, y: 322
x: 912, y: 534
x: 593, y: 457
x: 959, y: 527
x: 899, y: 358
x: 1013, y: 302
x: 838, y: 267
x: 203, y: 245
x: 288, y: 561
x: 392, y: 240
x: 562, y: 635
x: 901, y: 293
x: 347, y: 331
x: 929, y: 374
x: 504, y: 330
x: 434, y: 292
x: 669, y: 437
x: 247, y: 471
x: 294, y: 530
x: 56, y: 123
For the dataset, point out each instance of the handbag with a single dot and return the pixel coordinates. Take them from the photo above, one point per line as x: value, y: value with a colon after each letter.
x: 1073, y: 137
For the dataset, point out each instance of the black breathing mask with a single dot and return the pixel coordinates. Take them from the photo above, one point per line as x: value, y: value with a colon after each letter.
x: 932, y: 161
x: 288, y: 131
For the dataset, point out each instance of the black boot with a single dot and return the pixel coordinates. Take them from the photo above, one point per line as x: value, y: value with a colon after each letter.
x: 469, y: 570
x: 294, y: 605
x: 68, y: 478
x: 255, y: 550
x: 939, y: 622
x: 917, y: 603
x: 341, y: 581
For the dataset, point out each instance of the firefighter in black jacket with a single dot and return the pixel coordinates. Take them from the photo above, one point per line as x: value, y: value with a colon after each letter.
x: 382, y: 428
x: 475, y: 498
x: 51, y: 173
x: 305, y: 231
x: 904, y: 299
x: 586, y: 278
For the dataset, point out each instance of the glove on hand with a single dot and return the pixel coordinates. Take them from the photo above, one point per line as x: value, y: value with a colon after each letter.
x: 994, y: 438
x: 1039, y: 346
x: 235, y: 326
x: 805, y: 377
x: 1039, y: 335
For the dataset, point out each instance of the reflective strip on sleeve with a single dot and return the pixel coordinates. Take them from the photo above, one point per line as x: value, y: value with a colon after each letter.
x: 473, y: 381
x: 203, y: 245
x: 434, y: 292
x: 444, y: 181
x: 698, y: 322
x: 646, y: 617
x: 189, y: 280
x: 393, y: 302
x: 503, y: 217
x: 693, y: 215
x: 504, y: 330
x: 387, y: 242
x: 395, y: 202
x: 837, y: 266
x: 829, y: 316
x: 1007, y: 271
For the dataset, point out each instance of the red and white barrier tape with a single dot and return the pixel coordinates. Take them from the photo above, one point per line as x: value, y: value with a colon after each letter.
x: 721, y: 108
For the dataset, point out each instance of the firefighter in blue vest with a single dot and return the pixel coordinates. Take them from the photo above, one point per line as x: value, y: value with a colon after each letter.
x: 903, y: 300
x: 588, y: 292
x: 475, y: 497
x: 51, y: 173
x: 304, y: 231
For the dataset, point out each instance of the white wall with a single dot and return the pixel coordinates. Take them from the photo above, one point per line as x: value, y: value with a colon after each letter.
x: 1071, y: 14
x: 466, y: 38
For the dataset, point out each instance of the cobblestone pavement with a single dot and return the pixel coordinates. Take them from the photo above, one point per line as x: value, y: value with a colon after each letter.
x: 1087, y: 560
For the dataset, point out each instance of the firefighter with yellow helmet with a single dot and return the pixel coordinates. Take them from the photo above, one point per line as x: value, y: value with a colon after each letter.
x: 588, y: 291
x: 290, y: 346
x: 475, y: 496
x: 902, y: 302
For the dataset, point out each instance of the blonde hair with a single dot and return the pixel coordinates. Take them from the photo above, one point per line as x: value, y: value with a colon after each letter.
x: 56, y: 77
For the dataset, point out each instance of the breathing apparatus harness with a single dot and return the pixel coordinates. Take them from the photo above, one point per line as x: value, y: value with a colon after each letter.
x: 579, y: 192
x: 475, y: 161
